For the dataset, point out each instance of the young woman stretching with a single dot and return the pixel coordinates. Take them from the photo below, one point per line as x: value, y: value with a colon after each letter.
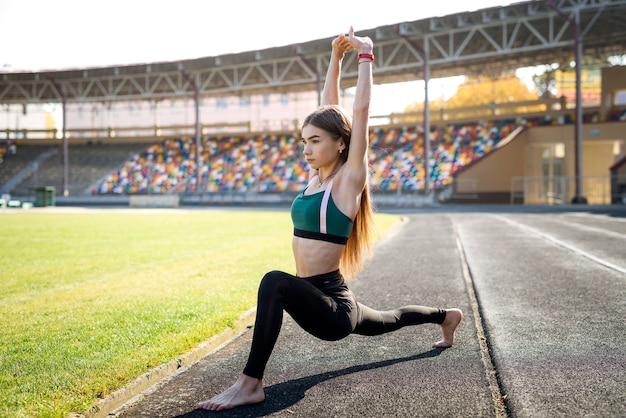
x: 332, y: 221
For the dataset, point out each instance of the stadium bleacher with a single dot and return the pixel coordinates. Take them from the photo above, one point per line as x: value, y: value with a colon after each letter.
x: 272, y: 163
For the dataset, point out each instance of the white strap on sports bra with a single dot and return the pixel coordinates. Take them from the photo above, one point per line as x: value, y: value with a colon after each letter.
x: 324, y: 207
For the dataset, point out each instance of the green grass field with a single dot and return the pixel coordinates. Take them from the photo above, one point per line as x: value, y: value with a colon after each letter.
x: 90, y: 300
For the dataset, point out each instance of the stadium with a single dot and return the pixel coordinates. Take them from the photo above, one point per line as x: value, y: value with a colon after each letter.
x: 558, y: 152
x: 136, y: 231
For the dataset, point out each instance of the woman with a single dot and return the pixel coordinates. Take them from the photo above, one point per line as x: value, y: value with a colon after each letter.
x: 332, y: 221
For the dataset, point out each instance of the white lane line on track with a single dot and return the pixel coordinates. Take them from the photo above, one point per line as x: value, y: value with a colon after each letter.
x: 590, y: 228
x: 562, y: 244
x: 594, y: 215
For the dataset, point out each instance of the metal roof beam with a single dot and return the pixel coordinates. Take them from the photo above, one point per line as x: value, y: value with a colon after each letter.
x: 489, y: 40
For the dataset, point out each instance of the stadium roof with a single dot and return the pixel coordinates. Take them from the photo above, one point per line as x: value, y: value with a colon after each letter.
x: 488, y: 42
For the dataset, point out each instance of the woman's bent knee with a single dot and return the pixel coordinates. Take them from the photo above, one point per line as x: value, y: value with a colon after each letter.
x: 271, y: 280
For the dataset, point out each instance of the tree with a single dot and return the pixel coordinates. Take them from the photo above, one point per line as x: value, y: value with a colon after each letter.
x: 480, y: 97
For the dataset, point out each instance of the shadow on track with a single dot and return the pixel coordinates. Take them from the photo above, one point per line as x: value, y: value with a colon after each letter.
x: 281, y: 396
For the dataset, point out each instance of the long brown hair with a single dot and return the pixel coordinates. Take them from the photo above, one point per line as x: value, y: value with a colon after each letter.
x: 334, y: 120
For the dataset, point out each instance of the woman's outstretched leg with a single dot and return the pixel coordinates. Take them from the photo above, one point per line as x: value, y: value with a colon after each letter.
x: 373, y: 322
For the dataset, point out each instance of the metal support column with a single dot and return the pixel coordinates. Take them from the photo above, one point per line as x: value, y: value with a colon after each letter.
x: 578, y: 48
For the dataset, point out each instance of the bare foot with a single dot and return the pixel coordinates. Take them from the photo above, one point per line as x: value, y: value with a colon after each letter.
x: 246, y: 390
x: 453, y: 318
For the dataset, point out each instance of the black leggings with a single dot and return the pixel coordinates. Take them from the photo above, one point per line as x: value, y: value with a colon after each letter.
x: 323, y: 306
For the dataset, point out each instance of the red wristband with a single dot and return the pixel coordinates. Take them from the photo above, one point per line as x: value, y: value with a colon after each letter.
x: 370, y: 56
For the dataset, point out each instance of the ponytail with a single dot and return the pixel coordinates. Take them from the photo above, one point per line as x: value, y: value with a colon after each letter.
x: 360, y: 242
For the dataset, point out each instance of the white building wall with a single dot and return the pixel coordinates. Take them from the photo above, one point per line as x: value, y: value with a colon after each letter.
x: 33, y: 117
x: 274, y: 112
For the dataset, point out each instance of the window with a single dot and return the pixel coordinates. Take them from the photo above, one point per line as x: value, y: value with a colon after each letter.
x: 244, y: 101
x: 221, y: 103
x: 284, y: 99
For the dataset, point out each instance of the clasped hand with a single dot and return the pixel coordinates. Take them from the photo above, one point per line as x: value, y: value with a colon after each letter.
x: 344, y: 43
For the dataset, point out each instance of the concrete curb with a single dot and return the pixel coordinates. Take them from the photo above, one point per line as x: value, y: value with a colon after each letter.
x: 105, y: 407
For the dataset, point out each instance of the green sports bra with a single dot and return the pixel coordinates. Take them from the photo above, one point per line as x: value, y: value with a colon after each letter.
x: 316, y: 216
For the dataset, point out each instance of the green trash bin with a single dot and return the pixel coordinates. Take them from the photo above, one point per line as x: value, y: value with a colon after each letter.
x: 45, y: 196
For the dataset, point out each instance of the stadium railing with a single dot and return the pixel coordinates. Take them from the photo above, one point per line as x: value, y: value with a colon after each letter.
x: 560, y: 190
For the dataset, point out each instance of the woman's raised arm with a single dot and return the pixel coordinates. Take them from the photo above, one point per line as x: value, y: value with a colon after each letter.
x: 330, y: 94
x: 359, y: 142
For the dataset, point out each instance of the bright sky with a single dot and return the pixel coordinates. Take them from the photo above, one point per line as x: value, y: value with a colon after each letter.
x: 58, y: 34
x: 53, y: 34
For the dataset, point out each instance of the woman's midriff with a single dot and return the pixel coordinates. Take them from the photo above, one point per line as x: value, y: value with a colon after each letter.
x: 315, y: 257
